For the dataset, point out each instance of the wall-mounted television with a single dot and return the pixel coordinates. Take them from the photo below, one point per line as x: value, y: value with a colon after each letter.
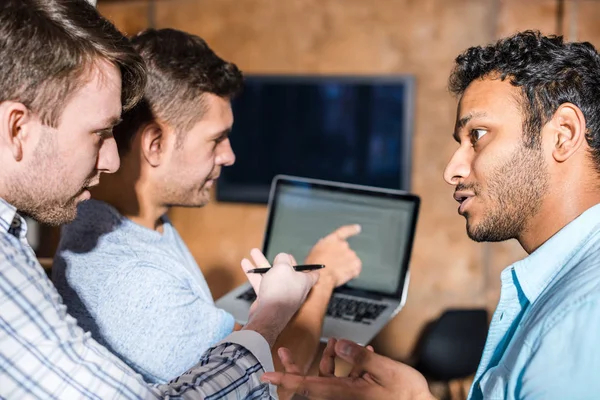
x: 354, y: 129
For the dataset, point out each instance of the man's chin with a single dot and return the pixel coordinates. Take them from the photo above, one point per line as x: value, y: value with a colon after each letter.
x: 194, y: 205
x: 474, y: 230
x: 190, y: 204
x: 487, y: 233
x: 54, y: 216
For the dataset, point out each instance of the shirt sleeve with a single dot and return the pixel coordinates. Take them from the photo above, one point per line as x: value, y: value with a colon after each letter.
x: 44, y: 354
x: 566, y: 360
x: 243, y: 352
x: 144, y: 307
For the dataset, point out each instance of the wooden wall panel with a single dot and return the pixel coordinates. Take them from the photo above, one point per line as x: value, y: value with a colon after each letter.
x: 518, y: 15
x: 129, y: 16
x: 581, y: 21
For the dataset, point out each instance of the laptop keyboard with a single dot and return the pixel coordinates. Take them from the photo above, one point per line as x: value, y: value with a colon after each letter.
x: 341, y: 308
x: 354, y: 310
x: 248, y: 295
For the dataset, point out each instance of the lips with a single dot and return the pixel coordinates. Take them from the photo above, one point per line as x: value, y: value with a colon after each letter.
x: 93, y: 182
x: 463, y: 198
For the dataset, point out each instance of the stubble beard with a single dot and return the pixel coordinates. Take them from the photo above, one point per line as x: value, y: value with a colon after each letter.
x: 515, y: 193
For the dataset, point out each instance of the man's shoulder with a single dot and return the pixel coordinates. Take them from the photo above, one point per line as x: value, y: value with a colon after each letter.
x: 93, y: 216
x: 99, y: 233
x: 576, y: 292
x: 580, y: 282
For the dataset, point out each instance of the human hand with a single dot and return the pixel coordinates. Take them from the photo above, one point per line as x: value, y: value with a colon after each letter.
x: 327, y: 364
x: 280, y: 292
x: 380, y: 378
x: 341, y: 262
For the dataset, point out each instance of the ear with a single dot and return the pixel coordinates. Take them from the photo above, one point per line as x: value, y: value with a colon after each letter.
x: 568, y: 130
x: 14, y: 118
x: 152, y: 142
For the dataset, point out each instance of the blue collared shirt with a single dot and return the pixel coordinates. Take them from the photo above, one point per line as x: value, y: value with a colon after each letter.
x: 45, y: 355
x: 544, y: 339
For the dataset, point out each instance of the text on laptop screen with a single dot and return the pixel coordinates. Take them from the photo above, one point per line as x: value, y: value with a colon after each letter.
x: 304, y: 214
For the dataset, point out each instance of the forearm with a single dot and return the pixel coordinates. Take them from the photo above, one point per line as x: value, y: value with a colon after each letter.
x: 270, y: 320
x: 302, y: 335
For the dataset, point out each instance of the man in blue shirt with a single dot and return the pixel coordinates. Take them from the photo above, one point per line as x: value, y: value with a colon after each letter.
x: 527, y: 167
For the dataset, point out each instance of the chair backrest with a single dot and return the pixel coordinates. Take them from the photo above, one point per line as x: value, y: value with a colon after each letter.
x: 451, y: 346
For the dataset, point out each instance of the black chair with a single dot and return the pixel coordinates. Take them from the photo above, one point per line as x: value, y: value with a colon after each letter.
x: 451, y: 346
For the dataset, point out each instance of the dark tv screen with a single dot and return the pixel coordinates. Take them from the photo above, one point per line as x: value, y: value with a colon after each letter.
x: 346, y: 129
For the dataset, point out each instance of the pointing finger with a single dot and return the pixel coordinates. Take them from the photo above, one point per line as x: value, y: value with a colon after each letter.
x: 347, y: 231
x: 285, y: 355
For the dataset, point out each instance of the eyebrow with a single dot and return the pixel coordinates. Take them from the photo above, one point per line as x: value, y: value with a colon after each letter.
x: 114, y: 121
x: 222, y: 135
x: 464, y: 121
x: 108, y: 125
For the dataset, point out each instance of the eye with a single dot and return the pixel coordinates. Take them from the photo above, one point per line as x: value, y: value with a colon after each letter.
x: 104, y: 134
x: 477, y: 134
x: 219, y: 140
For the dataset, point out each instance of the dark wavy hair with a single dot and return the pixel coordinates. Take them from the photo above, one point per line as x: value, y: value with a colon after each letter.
x: 549, y: 71
x: 181, y: 68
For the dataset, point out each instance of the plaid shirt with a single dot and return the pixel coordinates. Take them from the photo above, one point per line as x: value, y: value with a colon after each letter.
x: 45, y: 355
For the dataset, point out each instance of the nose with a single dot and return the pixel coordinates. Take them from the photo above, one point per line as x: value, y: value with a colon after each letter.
x: 225, y: 155
x: 459, y: 166
x: 108, y: 156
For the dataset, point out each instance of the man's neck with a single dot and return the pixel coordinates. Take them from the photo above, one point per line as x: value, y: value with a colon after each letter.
x: 133, y: 198
x: 559, y: 209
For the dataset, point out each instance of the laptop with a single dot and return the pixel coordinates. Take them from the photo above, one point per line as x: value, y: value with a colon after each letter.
x: 301, y: 211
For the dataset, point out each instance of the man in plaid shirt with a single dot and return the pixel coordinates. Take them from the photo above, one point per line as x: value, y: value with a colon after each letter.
x: 65, y: 76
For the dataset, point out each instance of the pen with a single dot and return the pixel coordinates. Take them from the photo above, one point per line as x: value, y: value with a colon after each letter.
x: 306, y: 267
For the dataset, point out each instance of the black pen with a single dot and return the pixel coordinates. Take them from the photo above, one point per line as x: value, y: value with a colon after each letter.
x: 306, y: 267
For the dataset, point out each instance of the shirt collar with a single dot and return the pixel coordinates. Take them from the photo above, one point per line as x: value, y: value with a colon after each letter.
x: 535, y: 272
x: 10, y: 221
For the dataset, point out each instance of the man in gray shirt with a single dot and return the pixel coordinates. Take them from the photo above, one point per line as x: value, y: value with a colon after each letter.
x: 121, y: 265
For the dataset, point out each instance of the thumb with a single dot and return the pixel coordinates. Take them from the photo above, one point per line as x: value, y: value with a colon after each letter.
x: 283, y: 258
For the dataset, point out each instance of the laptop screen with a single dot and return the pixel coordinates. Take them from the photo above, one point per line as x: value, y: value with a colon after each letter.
x: 303, y: 212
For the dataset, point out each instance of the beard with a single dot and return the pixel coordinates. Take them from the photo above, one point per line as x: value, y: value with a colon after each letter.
x: 514, y: 195
x: 186, y: 196
x: 53, y: 212
x: 177, y: 190
x: 44, y: 192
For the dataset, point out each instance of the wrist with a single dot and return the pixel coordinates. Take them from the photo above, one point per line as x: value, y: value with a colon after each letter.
x: 325, y: 282
x: 276, y: 309
x: 270, y: 318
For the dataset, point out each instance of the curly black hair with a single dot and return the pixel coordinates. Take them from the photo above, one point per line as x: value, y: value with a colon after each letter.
x: 549, y: 71
x: 181, y: 68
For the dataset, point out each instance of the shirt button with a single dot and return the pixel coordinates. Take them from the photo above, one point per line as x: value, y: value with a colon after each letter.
x: 501, y: 315
x: 16, y: 223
